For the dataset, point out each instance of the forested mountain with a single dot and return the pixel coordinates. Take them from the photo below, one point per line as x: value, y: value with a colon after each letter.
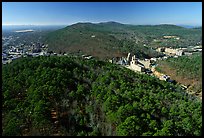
x: 71, y: 96
x: 112, y: 39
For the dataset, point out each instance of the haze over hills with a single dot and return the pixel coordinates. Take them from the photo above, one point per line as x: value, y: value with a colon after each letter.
x: 13, y: 28
x: 111, y: 39
x: 189, y: 26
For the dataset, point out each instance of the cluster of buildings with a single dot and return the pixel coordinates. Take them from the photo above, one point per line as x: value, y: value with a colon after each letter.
x: 171, y: 37
x: 134, y: 63
x: 12, y: 50
x: 146, y: 66
x: 170, y: 51
x: 179, y: 51
x: 11, y: 53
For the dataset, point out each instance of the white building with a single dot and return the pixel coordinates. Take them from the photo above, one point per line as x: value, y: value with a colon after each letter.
x: 153, y: 59
x: 179, y: 53
x: 146, y: 63
x: 135, y: 66
x: 129, y: 57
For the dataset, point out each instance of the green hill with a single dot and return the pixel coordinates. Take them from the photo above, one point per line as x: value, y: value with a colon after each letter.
x: 112, y: 39
x: 186, y: 70
x: 70, y: 96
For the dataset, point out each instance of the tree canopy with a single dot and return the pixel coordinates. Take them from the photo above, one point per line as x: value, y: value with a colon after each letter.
x: 72, y: 96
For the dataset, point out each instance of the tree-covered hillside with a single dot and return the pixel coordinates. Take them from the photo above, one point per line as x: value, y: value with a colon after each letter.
x: 185, y: 69
x: 71, y: 96
x: 111, y: 39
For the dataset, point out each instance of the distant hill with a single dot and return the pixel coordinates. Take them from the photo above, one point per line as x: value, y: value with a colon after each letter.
x: 14, y: 28
x: 199, y: 28
x: 111, y: 39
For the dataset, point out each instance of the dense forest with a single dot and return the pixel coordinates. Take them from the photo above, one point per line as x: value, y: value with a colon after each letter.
x: 70, y: 96
x: 112, y: 39
x: 187, y: 69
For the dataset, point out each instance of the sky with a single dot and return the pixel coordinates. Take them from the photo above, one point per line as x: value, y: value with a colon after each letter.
x: 67, y: 13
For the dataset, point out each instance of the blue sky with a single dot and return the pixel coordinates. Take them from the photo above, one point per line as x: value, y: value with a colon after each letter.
x: 66, y: 13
